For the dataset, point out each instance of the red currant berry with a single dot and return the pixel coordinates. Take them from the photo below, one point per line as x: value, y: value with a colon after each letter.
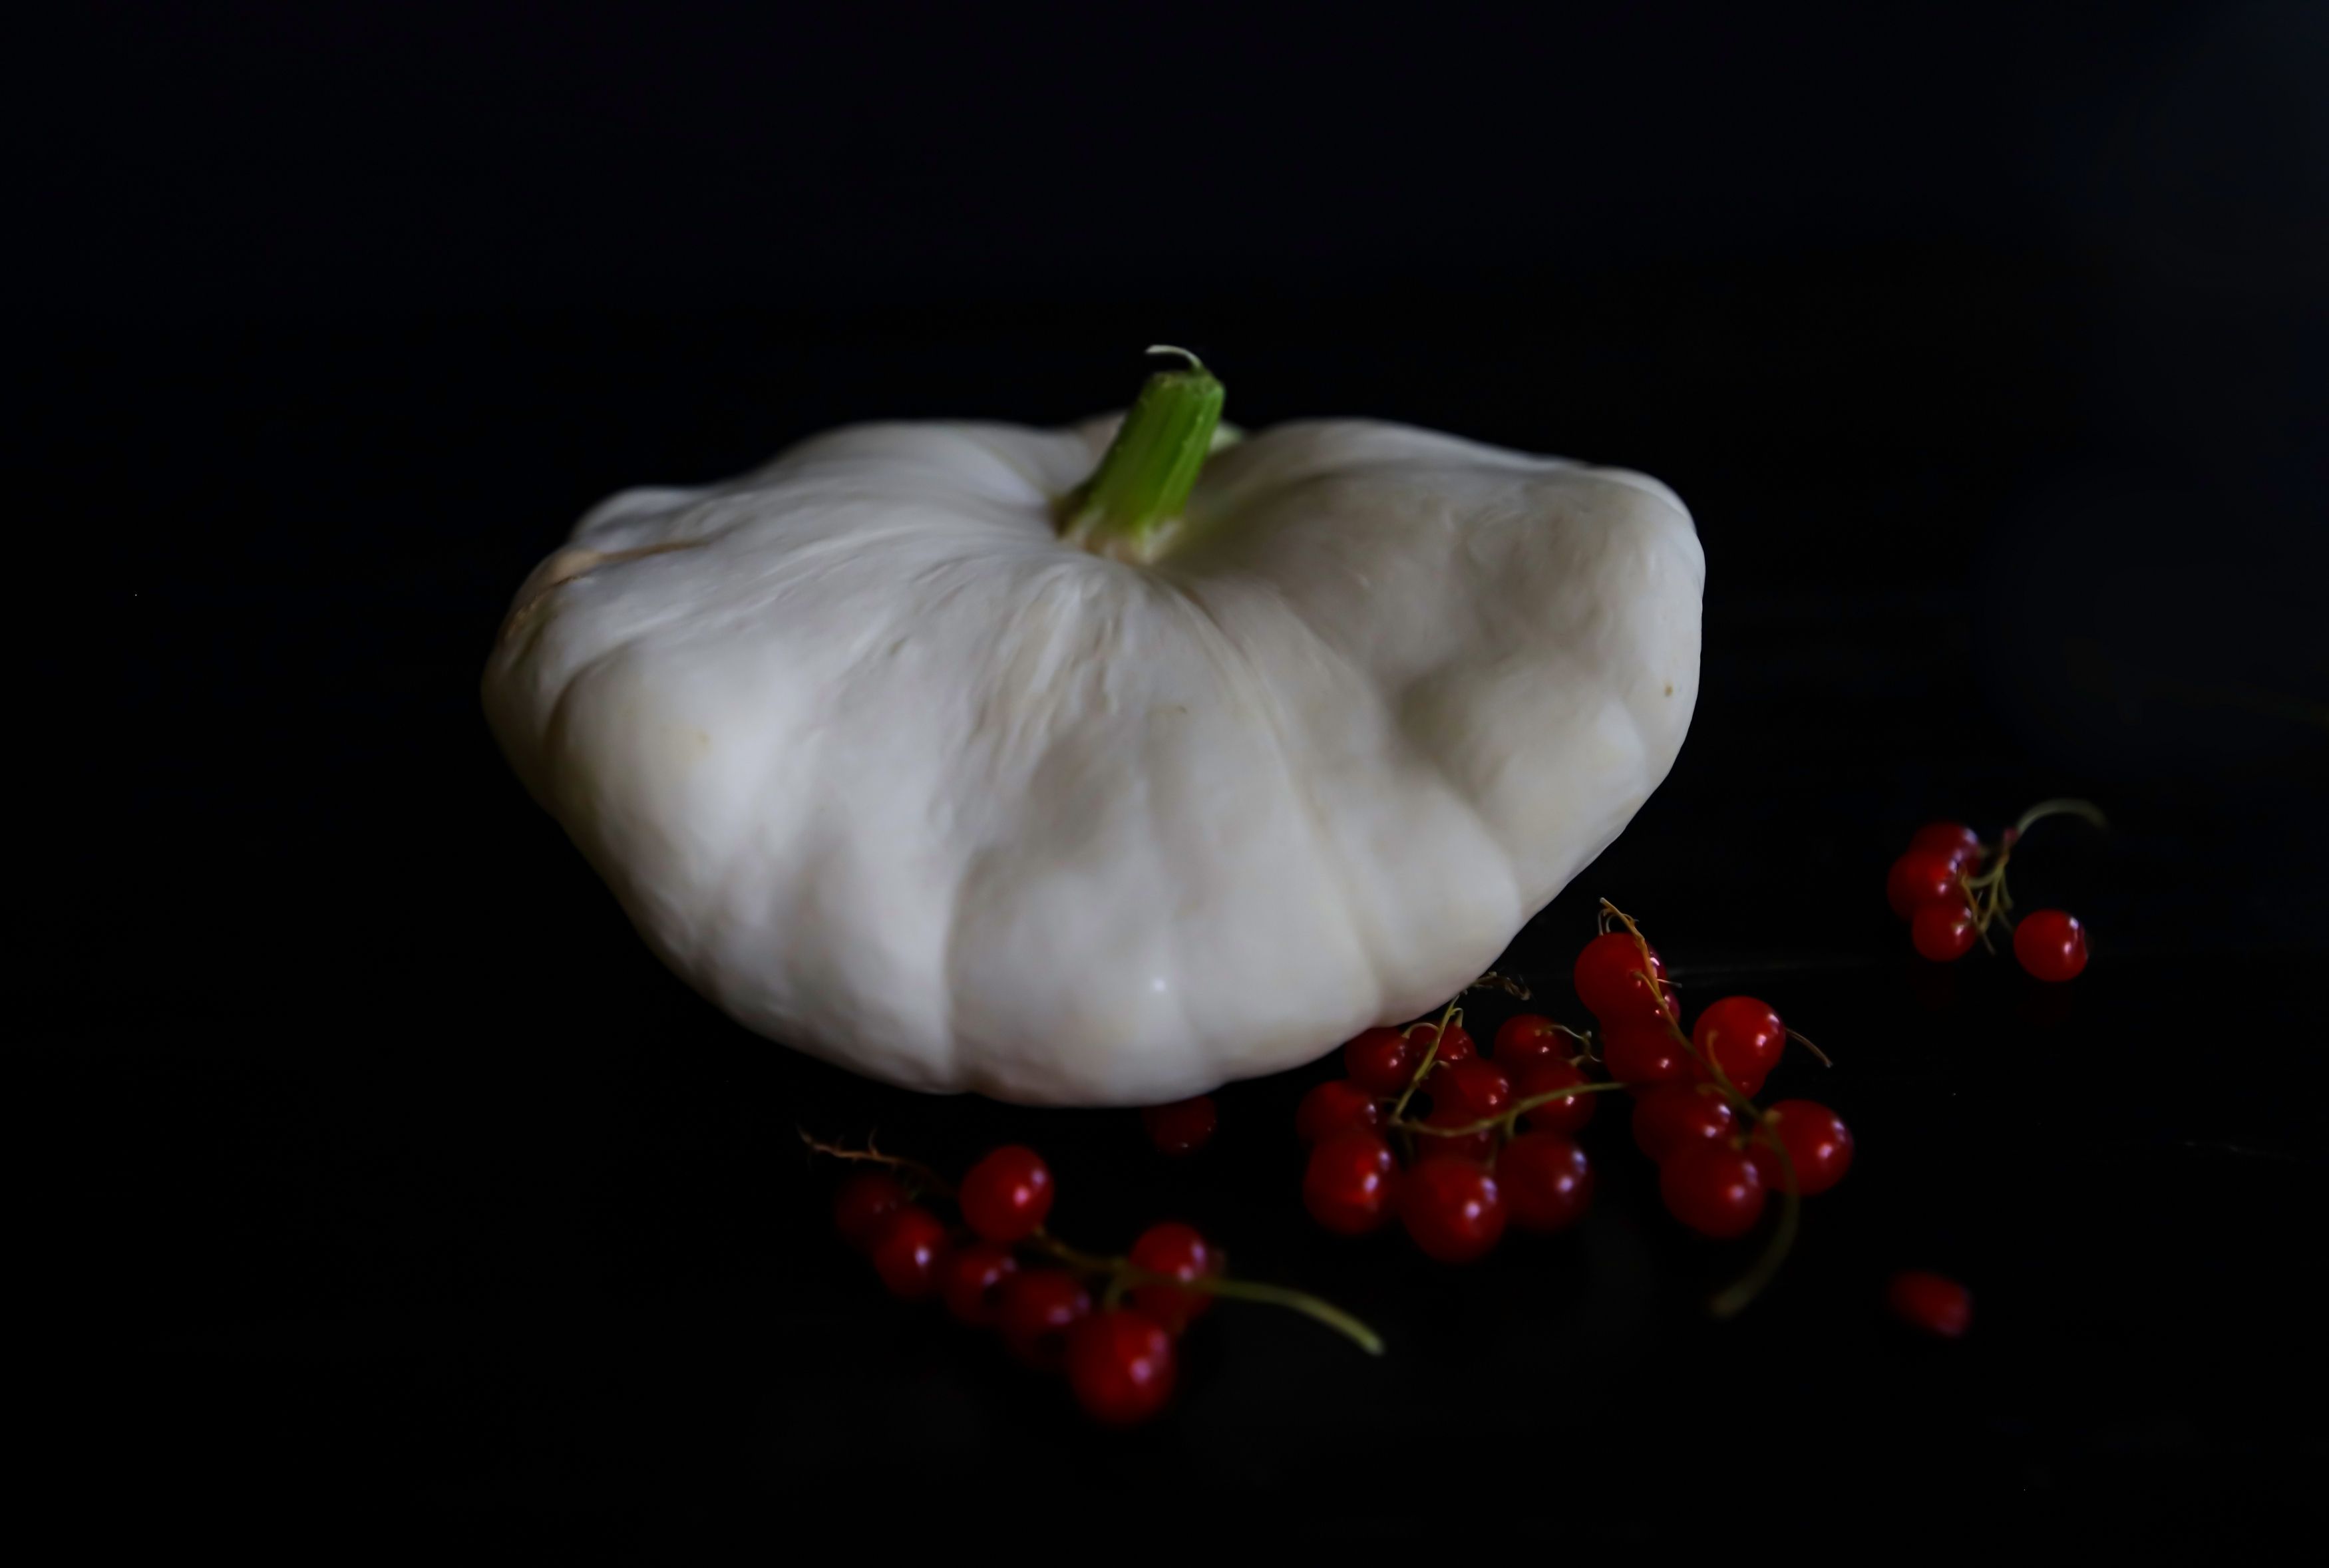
x: 1120, y: 1366
x: 1920, y: 878
x: 864, y: 1205
x: 1178, y: 1252
x: 1712, y: 1188
x: 1007, y: 1194
x: 1554, y: 1115
x: 1741, y: 1036
x: 1545, y: 1179
x: 1943, y: 933
x: 1960, y: 843
x: 1183, y: 1127
x: 1674, y: 1114
x: 1477, y: 1088
x: 972, y: 1282
x: 1526, y: 1038
x: 1641, y: 1055
x: 1350, y: 1182
x: 1336, y: 1105
x: 1479, y: 1148
x: 1382, y: 1061
x: 909, y: 1252
x: 2050, y: 945
x: 1610, y: 983
x: 1035, y: 1309
x: 1455, y: 1043
x: 1819, y: 1145
x: 1933, y: 1302
x: 1453, y: 1208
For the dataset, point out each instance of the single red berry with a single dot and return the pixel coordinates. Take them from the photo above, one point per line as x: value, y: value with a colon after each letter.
x: 1336, y: 1105
x: 1609, y: 980
x: 1035, y: 1309
x: 1674, y: 1114
x: 864, y: 1205
x: 1455, y: 1043
x: 1641, y: 1055
x: 1711, y: 1187
x: 1933, y: 1302
x: 1006, y: 1195
x: 1960, y: 843
x: 1120, y: 1366
x: 2050, y: 945
x: 1920, y: 878
x: 1183, y: 1126
x: 1453, y: 1208
x: 1546, y: 1181
x: 1479, y: 1148
x: 909, y: 1252
x: 1382, y: 1061
x: 1743, y: 1037
x: 1554, y: 1115
x: 1180, y: 1253
x: 1477, y: 1088
x: 1526, y: 1038
x: 972, y: 1279
x: 1943, y: 933
x: 1819, y: 1145
x: 1351, y: 1181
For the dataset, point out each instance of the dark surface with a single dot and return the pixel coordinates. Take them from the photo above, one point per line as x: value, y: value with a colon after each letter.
x: 377, y: 1175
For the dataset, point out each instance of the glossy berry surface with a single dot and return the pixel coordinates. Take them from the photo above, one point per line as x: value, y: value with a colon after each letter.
x: 1546, y: 1181
x: 2050, y: 945
x: 1527, y: 1037
x: 1336, y: 1105
x: 1943, y: 933
x: 970, y: 1281
x: 1472, y: 1090
x: 1610, y: 979
x: 1181, y: 1252
x: 1920, y: 878
x: 1382, y: 1061
x: 1006, y: 1195
x: 864, y: 1205
x: 1183, y: 1127
x: 1351, y: 1183
x: 909, y: 1252
x: 1034, y: 1308
x: 1455, y: 1043
x: 1120, y: 1366
x: 1453, y: 1209
x: 1480, y: 1147
x: 1742, y: 1036
x: 1959, y: 843
x: 1932, y: 1302
x: 1645, y: 1054
x: 1711, y: 1187
x: 1818, y: 1144
x: 1668, y: 1117
x: 1555, y: 1116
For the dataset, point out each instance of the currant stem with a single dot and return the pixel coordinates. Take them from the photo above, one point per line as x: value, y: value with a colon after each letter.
x: 2086, y: 810
x: 1453, y: 1014
x: 1506, y: 1119
x: 929, y: 1180
x: 1123, y: 1276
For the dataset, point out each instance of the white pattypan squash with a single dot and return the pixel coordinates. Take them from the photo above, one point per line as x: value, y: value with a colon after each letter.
x: 893, y: 773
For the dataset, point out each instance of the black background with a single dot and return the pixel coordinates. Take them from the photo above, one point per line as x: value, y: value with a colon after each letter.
x: 376, y: 1175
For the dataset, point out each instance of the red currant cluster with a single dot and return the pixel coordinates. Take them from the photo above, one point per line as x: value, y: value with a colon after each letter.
x: 1470, y: 1169
x: 1001, y: 1269
x: 1950, y: 888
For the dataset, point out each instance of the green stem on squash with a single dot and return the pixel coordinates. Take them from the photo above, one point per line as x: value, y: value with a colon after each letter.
x: 1131, y: 508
